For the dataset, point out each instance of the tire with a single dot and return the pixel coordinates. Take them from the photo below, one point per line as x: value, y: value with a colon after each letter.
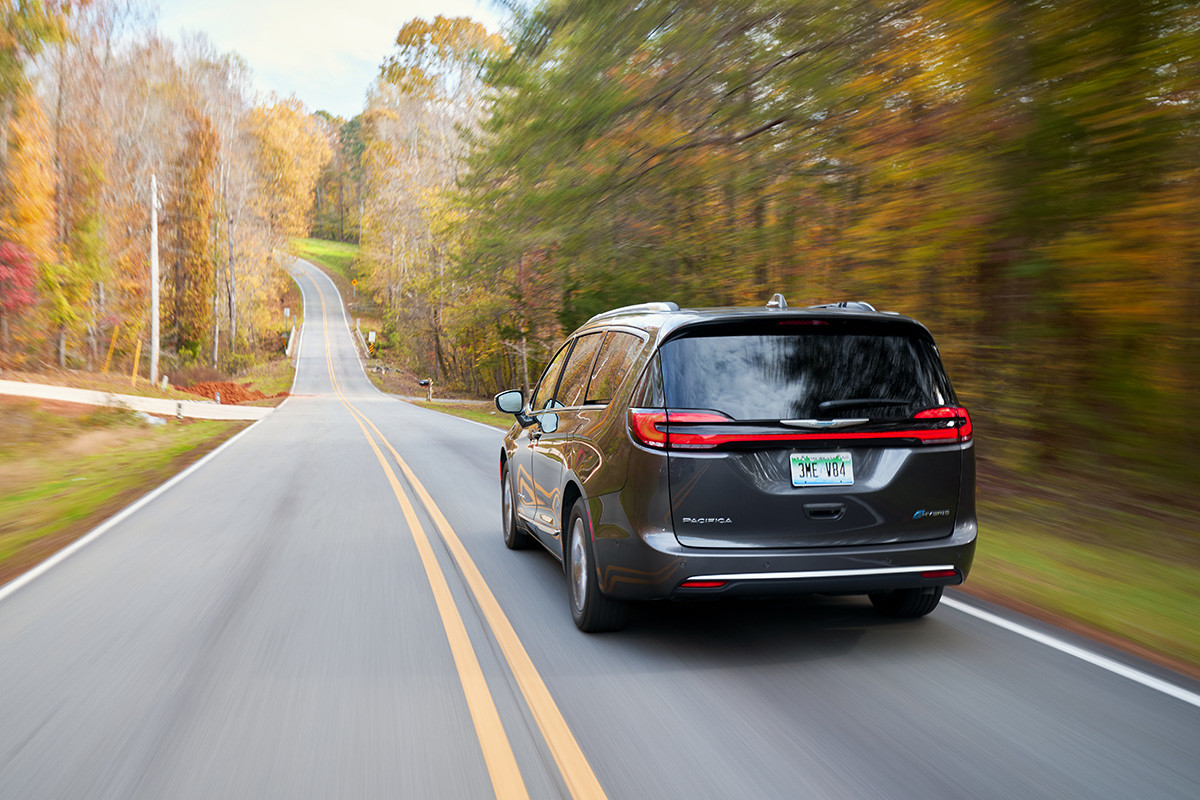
x: 514, y: 537
x: 591, y: 610
x: 906, y: 603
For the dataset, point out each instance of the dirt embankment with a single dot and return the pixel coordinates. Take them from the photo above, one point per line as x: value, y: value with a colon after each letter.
x: 229, y: 392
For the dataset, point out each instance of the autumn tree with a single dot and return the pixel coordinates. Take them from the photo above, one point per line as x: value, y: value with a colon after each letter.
x: 17, y: 279
x: 193, y: 213
x: 290, y: 152
x: 112, y: 104
x: 27, y: 27
x: 427, y: 100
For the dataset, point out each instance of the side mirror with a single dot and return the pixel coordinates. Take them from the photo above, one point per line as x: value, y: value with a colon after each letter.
x: 548, y: 422
x: 510, y: 402
x: 513, y: 402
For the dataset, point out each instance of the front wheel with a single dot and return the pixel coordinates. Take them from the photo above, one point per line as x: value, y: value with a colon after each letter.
x: 514, y: 537
x: 592, y: 611
x: 907, y: 603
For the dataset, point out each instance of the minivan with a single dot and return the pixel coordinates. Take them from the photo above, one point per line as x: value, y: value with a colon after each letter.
x: 700, y: 453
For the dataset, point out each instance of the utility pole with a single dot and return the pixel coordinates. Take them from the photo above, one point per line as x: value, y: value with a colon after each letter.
x: 153, y: 281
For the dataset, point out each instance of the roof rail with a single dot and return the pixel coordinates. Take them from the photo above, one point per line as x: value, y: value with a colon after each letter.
x: 656, y: 306
x: 849, y: 305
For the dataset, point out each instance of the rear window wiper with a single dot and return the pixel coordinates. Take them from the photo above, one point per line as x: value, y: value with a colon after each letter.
x: 859, y: 402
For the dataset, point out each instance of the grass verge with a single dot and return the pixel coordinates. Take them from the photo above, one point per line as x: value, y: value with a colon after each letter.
x: 336, y: 256
x: 66, y: 468
x: 1088, y: 568
x: 476, y: 412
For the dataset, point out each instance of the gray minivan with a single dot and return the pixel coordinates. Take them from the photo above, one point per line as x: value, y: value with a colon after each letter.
x: 687, y: 453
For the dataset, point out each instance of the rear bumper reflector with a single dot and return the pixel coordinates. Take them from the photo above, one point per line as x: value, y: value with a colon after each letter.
x: 696, y: 584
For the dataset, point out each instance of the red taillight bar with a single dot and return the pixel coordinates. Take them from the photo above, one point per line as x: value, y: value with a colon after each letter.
x: 650, y: 427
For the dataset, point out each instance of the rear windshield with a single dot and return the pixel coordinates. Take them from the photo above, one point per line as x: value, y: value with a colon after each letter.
x: 789, y: 372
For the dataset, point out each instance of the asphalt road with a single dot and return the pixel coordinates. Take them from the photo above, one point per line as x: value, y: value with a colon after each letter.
x: 267, y: 627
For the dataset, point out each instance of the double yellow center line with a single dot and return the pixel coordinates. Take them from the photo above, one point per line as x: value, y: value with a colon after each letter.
x: 502, y: 766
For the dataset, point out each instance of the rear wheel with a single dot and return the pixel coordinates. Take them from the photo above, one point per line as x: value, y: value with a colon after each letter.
x: 592, y: 611
x: 514, y: 537
x: 907, y: 603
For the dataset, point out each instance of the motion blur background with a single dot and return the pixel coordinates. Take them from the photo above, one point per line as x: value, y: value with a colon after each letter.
x: 1021, y: 176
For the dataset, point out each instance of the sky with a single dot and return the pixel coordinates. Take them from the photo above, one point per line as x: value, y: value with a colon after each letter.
x: 326, y: 53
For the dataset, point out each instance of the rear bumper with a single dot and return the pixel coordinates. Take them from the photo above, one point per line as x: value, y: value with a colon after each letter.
x: 653, y: 565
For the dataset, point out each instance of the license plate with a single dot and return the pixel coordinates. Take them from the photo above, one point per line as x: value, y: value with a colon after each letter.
x: 822, y: 469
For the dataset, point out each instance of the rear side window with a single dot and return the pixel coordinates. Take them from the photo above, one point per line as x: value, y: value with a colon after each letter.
x: 579, y: 368
x: 788, y: 373
x: 616, y: 356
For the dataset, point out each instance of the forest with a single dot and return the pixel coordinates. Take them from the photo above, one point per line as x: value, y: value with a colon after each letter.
x: 93, y: 103
x: 1021, y: 176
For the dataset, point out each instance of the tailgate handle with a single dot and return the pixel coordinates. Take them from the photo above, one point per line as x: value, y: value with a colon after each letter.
x: 825, y: 511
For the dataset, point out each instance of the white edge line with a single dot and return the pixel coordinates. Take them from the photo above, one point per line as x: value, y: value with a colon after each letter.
x: 1095, y: 659
x: 95, y: 533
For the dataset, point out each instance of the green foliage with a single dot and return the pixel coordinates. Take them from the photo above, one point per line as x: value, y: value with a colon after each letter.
x: 340, y: 186
x: 236, y: 363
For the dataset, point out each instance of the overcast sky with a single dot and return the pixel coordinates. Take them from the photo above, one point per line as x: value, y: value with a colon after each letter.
x: 326, y: 52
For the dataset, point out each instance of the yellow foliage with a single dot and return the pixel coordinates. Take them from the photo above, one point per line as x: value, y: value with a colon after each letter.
x: 291, y: 153
x: 27, y: 199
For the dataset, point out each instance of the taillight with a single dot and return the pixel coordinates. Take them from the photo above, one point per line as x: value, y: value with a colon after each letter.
x: 654, y: 427
x: 651, y: 427
x: 961, y: 420
x: 643, y: 424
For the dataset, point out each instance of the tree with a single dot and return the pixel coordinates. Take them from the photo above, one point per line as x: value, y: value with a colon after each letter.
x: 194, y: 212
x: 415, y: 135
x: 17, y: 279
x: 290, y: 152
x: 27, y: 28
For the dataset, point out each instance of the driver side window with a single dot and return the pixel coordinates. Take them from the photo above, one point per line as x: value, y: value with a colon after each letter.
x: 543, y: 395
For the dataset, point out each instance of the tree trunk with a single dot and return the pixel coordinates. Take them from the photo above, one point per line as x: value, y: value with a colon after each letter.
x: 91, y: 348
x: 216, y: 337
x: 232, y: 287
